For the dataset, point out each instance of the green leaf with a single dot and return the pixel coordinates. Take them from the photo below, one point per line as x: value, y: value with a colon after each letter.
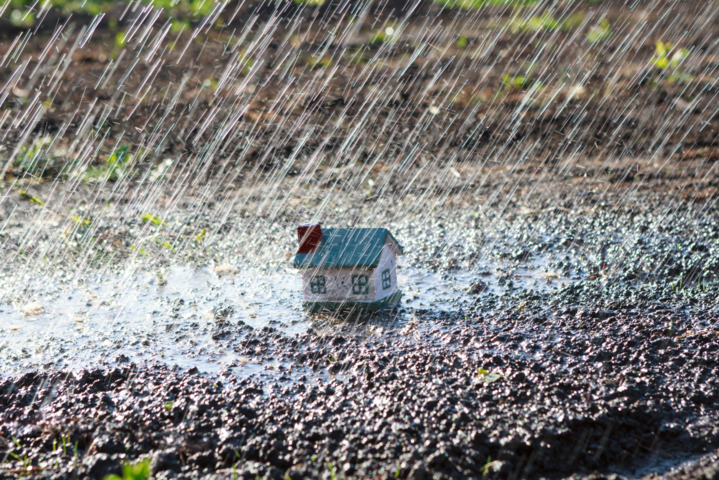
x: 179, y: 26
x: 489, y: 465
x: 489, y: 377
x: 114, y: 168
x: 201, y: 7
x: 679, y: 57
x: 661, y: 62
x: 517, y: 81
x: 82, y: 220
x: 136, y: 471
x: 154, y: 219
x: 599, y: 32
x: 32, y: 198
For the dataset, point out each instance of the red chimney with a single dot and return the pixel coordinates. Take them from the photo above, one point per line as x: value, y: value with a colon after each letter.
x: 309, y: 236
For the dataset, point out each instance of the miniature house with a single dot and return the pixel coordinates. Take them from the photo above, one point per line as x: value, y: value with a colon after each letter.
x: 347, y: 267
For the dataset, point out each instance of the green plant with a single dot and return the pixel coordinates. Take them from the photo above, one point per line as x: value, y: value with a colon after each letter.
x: 179, y: 26
x: 668, y: 58
x: 661, y: 58
x: 74, y: 455
x: 82, y: 221
x: 201, y: 7
x: 154, y: 219
x: 164, y: 243
x: 28, y: 159
x: 489, y: 377
x: 37, y: 200
x: 462, y: 41
x: 317, y: 62
x: 516, y: 81
x: 211, y: 83
x: 24, y: 12
x: 136, y: 471
x: 116, y: 165
x: 474, y: 4
x: 536, y: 23
x: 22, y: 20
x: 159, y: 173
x: 333, y: 470
x: 23, y: 459
x: 573, y: 21
x: 488, y: 466
x: 599, y: 32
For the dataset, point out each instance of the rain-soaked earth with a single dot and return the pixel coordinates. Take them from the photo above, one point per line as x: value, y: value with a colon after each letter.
x: 559, y: 314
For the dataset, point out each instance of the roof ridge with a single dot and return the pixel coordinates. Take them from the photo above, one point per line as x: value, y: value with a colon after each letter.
x: 354, y: 247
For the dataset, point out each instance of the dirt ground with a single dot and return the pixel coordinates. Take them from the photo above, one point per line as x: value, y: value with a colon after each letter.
x: 531, y: 103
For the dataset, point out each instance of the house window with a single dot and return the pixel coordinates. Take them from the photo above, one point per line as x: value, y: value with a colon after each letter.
x: 360, y: 284
x: 317, y: 284
x: 386, y: 279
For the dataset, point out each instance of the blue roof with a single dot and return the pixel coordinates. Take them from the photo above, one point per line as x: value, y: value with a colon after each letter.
x: 347, y: 248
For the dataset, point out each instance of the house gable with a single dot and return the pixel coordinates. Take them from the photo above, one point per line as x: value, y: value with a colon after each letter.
x: 385, y: 275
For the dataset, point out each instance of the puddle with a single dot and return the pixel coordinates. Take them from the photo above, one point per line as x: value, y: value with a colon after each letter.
x: 171, y: 316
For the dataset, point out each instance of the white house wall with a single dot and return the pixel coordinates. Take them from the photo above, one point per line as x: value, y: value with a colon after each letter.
x: 387, y: 260
x: 394, y: 248
x: 338, y: 283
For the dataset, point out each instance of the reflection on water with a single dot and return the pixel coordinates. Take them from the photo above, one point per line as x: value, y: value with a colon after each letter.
x: 182, y: 315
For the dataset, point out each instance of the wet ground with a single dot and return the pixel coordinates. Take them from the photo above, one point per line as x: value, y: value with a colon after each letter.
x: 92, y: 321
x: 570, y: 355
x: 525, y: 393
x: 560, y: 312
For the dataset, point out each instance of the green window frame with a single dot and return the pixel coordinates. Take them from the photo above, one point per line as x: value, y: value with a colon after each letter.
x: 360, y: 284
x: 318, y: 284
x: 386, y: 279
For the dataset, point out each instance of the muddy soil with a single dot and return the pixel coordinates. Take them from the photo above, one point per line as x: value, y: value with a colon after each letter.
x: 614, y: 373
x: 504, y: 93
x: 526, y: 393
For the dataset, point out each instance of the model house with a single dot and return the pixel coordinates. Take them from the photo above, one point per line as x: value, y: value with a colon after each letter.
x: 347, y: 267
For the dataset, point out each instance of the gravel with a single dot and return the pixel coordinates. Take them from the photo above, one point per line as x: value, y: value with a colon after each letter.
x: 518, y: 392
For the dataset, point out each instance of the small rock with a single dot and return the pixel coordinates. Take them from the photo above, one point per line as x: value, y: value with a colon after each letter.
x: 32, y: 309
x: 476, y: 287
x: 222, y: 313
x: 226, y: 270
